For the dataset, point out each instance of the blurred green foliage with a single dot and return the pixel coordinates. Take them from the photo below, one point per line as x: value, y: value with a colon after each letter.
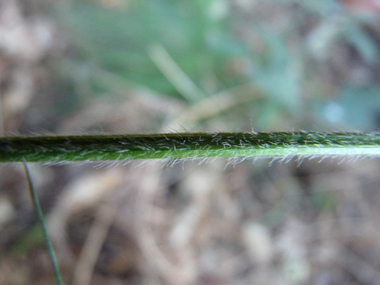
x: 194, y: 49
x: 33, y: 238
x: 360, y: 106
x: 119, y: 42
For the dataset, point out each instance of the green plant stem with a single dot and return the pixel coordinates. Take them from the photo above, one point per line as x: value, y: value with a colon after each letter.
x: 40, y: 216
x: 187, y: 145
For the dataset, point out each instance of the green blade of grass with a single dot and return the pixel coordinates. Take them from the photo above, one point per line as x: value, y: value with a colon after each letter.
x: 40, y: 216
x: 187, y: 145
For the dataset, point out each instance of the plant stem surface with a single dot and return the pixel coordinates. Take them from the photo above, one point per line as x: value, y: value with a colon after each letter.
x: 187, y: 145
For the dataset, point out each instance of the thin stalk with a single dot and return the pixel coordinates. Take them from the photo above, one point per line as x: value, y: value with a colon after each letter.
x: 187, y: 145
x: 40, y: 216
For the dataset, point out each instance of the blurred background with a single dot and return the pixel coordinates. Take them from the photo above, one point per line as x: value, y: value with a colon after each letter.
x: 122, y: 66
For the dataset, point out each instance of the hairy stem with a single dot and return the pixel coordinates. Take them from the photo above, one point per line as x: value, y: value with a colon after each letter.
x: 186, y: 145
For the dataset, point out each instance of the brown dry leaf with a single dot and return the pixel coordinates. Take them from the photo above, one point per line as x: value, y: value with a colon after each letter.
x: 82, y: 194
